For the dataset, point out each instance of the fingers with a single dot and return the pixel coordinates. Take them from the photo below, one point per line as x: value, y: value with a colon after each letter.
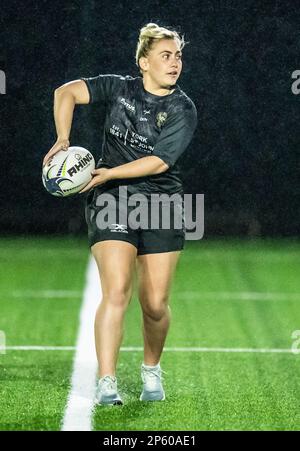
x: 62, y: 145
x: 94, y: 182
x: 46, y: 158
x: 50, y: 154
x: 86, y: 188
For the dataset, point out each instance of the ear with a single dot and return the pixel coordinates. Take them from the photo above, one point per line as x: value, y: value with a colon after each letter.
x: 143, y: 62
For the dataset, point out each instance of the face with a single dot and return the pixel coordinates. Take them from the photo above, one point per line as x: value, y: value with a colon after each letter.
x: 163, y: 64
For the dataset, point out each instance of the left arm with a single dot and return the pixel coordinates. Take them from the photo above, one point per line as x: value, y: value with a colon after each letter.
x: 138, y: 168
x: 173, y: 140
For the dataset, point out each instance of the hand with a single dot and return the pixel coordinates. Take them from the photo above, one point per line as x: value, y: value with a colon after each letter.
x: 100, y: 176
x: 61, y: 144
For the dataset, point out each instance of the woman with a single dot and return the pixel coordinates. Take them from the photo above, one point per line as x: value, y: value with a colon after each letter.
x: 149, y: 123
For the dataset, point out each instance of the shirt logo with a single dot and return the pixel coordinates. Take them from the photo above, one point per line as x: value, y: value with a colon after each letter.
x: 161, y: 119
x: 118, y: 228
x: 144, y: 119
x: 127, y: 105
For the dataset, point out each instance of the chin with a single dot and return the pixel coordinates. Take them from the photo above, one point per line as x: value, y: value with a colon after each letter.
x: 172, y: 83
x: 169, y: 85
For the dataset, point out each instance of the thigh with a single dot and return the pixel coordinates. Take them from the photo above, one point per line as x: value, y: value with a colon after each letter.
x: 116, y: 264
x: 166, y: 232
x: 155, y: 272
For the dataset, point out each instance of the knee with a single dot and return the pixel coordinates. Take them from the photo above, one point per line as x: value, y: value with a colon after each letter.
x: 117, y: 298
x: 157, y: 309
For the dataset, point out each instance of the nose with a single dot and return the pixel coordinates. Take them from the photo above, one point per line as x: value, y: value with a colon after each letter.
x: 175, y: 63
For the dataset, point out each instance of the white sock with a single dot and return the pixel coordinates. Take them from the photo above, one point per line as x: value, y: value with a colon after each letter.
x: 149, y: 367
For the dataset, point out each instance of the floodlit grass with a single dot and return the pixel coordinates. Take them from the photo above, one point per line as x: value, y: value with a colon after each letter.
x: 226, y: 294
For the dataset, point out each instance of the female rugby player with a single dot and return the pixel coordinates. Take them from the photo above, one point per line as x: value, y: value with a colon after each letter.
x: 149, y: 123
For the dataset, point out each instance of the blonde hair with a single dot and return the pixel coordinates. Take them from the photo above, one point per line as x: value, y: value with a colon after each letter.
x: 152, y: 33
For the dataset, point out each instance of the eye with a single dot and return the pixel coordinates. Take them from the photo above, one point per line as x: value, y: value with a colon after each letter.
x: 166, y: 55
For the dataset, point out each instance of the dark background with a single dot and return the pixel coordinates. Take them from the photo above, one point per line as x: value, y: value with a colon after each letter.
x: 237, y: 69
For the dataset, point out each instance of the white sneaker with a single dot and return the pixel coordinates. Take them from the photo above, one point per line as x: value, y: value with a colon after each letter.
x: 152, y: 384
x: 107, y: 391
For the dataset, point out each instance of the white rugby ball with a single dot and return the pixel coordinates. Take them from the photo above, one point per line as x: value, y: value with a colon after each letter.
x: 68, y: 171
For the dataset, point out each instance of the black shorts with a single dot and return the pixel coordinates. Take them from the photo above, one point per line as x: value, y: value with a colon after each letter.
x: 152, y: 227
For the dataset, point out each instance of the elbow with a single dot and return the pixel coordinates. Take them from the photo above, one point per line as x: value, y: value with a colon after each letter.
x: 58, y: 91
x: 164, y: 167
x: 62, y: 90
x: 160, y: 165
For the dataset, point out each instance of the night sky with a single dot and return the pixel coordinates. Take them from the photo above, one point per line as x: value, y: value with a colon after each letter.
x: 237, y: 68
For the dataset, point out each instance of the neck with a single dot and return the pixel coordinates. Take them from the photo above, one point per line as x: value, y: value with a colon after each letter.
x: 154, y: 88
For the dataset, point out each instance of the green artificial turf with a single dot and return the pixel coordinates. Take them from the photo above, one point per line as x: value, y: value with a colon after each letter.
x: 226, y: 294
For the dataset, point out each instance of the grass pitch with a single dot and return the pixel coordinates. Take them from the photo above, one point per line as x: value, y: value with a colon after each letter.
x: 228, y: 295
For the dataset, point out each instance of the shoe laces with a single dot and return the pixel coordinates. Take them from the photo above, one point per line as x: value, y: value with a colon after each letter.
x: 153, y: 373
x: 109, y: 381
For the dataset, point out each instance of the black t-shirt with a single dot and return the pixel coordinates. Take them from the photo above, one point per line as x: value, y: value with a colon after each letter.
x: 140, y: 124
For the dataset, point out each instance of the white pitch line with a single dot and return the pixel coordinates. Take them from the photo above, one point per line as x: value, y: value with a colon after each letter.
x: 217, y: 295
x: 238, y: 295
x: 253, y: 257
x: 79, y: 409
x: 259, y: 350
x: 44, y: 294
x: 38, y: 348
x: 166, y: 349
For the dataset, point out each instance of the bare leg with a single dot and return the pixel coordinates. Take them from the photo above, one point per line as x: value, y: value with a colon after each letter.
x: 116, y: 262
x: 155, y: 275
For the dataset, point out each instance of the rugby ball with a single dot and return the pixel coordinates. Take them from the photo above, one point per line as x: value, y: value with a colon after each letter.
x: 68, y: 171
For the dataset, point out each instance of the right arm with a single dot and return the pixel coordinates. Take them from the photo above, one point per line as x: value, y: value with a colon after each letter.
x: 65, y: 99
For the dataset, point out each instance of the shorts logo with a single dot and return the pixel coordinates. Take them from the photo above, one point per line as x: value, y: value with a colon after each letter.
x: 161, y: 119
x: 118, y: 228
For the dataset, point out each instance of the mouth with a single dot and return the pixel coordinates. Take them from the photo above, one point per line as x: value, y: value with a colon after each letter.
x: 173, y: 74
